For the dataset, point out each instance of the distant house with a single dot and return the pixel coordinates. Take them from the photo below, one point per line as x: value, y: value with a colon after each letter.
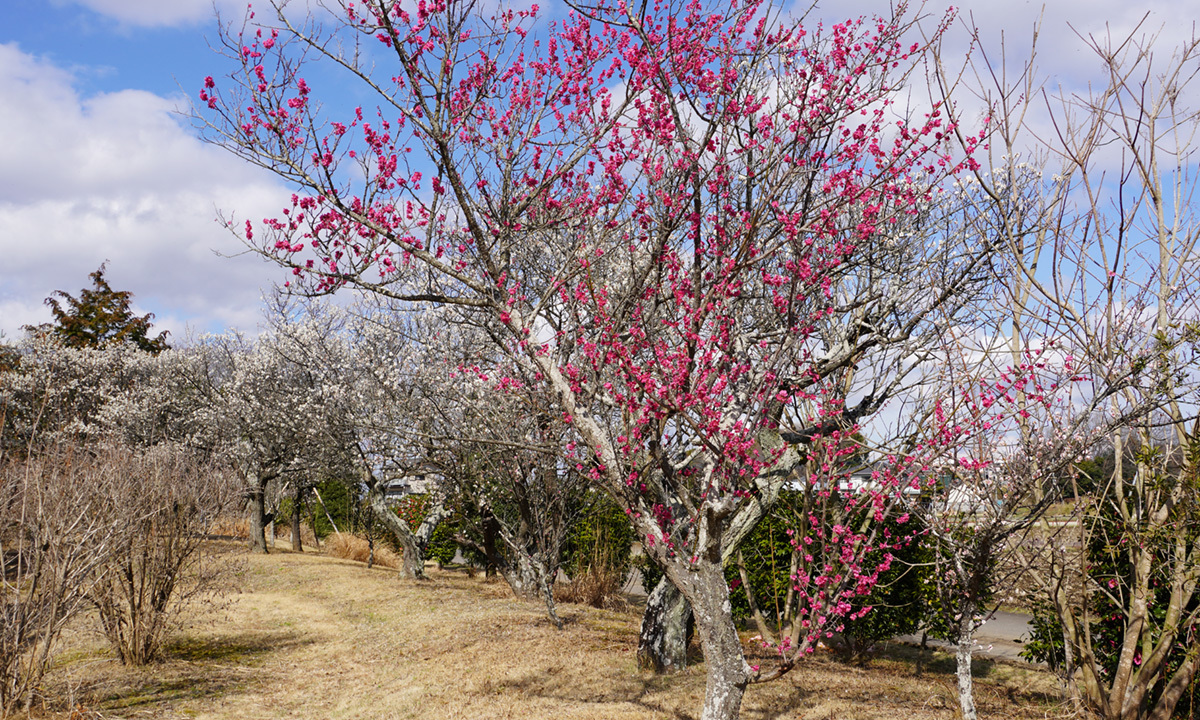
x: 399, y: 488
x: 969, y: 497
x: 861, y: 477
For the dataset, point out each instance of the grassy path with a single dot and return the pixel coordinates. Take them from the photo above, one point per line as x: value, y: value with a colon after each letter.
x: 322, y: 638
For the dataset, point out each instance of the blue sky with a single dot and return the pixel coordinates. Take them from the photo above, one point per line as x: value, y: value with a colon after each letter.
x: 96, y: 166
x: 106, y: 53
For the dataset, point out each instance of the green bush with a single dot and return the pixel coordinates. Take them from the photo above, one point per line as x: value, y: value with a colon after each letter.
x: 767, y: 553
x: 896, y: 601
x: 941, y: 594
x: 603, y: 532
x: 651, y: 572
x: 443, y: 546
x: 338, y: 502
x: 412, y: 509
x: 1045, y: 643
x: 1109, y: 563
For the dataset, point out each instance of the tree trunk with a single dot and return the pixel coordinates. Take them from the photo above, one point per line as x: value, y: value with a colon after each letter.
x: 490, y: 553
x: 297, y: 498
x: 520, y: 578
x: 258, y: 515
x: 434, y: 516
x: 551, y: 608
x: 370, y: 528
x: 727, y: 673
x: 668, y: 621
x: 1174, y: 690
x: 666, y: 630
x: 531, y: 580
x: 966, y: 641
x: 413, y: 565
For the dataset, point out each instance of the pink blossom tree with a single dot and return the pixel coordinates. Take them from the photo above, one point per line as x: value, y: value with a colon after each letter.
x: 698, y: 229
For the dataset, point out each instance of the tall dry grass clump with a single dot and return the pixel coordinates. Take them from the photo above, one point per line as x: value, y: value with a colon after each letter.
x: 353, y: 547
x: 230, y: 527
x: 598, y: 583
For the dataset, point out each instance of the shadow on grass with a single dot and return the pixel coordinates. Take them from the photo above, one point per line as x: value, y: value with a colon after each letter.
x: 638, y: 690
x: 242, y: 649
x: 908, y: 659
x: 931, y: 661
x: 193, y: 669
x: 660, y: 694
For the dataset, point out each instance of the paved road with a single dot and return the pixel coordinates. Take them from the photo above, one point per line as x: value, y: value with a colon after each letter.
x: 1003, y: 636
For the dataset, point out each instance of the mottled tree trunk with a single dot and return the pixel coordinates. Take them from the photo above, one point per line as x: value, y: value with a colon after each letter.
x: 551, y: 607
x: 725, y: 663
x: 520, y: 578
x: 530, y: 579
x: 436, y: 514
x: 413, y: 557
x: 412, y: 544
x: 666, y: 630
x: 413, y: 560
x: 966, y: 683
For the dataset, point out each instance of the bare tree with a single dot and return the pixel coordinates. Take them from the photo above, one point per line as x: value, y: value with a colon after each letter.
x: 57, y: 532
x: 1098, y: 215
x: 158, y: 568
x: 1143, y: 249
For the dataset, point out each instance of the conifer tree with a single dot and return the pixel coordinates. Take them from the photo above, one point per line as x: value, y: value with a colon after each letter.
x: 98, y: 317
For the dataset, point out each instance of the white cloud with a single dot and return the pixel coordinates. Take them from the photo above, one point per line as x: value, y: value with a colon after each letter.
x: 157, y: 13
x: 117, y: 177
x: 1061, y: 51
x: 176, y: 13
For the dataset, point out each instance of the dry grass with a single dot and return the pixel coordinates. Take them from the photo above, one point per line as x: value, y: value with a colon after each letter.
x: 598, y: 586
x: 319, y: 637
x: 352, y: 547
x: 237, y: 528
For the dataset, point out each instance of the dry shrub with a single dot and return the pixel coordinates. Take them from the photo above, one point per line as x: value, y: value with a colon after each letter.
x: 57, y: 532
x: 599, y: 587
x: 169, y: 501
x: 599, y: 583
x: 353, y: 547
x: 230, y: 528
